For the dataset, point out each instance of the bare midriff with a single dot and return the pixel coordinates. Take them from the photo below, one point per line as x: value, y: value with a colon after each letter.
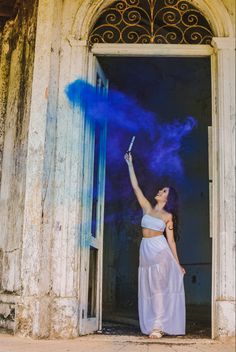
x: 151, y: 233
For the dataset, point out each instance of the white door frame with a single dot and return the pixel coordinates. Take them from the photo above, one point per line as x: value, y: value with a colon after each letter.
x: 172, y: 50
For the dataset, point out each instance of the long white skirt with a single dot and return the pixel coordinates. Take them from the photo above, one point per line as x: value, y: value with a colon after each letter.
x: 161, y: 296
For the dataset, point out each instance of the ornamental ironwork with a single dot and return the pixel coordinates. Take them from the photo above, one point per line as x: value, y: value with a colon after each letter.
x: 151, y: 21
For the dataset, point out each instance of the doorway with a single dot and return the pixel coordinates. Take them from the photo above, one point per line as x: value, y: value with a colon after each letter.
x: 170, y: 87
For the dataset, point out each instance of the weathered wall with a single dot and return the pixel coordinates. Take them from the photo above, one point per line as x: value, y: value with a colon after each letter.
x: 16, y: 69
x: 230, y: 6
x: 49, y: 265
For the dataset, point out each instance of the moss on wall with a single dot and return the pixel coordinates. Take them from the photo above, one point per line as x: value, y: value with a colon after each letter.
x: 17, y: 37
x: 17, y: 44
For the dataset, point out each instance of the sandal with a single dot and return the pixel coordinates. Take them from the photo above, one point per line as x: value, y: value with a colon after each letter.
x: 156, y: 334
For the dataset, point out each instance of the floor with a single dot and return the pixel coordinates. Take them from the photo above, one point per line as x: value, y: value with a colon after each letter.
x: 125, y: 322
x: 111, y: 343
x: 117, y: 338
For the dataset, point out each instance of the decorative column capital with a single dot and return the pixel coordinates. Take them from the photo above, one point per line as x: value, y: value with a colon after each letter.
x: 223, y: 43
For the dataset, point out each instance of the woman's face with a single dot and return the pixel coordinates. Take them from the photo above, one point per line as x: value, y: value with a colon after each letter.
x: 162, y: 194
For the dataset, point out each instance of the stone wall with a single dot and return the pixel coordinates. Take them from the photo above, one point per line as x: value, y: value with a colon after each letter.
x: 17, y: 43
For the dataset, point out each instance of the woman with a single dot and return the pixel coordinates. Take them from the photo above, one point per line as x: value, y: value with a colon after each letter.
x: 161, y: 297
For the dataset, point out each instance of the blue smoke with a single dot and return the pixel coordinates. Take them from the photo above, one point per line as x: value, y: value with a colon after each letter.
x: 120, y: 109
x: 129, y: 118
x: 165, y: 153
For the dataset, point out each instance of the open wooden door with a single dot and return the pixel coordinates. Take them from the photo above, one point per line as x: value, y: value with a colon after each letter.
x: 91, y: 244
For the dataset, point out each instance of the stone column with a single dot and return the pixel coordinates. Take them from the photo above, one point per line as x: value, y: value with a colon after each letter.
x: 32, y: 312
x: 224, y: 241
x: 68, y: 193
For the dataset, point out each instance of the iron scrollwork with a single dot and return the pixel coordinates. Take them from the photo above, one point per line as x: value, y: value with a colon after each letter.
x: 151, y: 21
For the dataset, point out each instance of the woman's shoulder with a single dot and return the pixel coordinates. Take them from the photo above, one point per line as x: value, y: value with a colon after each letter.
x: 168, y: 216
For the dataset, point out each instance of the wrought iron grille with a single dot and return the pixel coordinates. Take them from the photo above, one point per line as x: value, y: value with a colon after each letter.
x: 151, y: 21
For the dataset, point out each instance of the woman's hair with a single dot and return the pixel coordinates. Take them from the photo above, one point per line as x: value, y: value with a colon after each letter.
x: 172, y: 207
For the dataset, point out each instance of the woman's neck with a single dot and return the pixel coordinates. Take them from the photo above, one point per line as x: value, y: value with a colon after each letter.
x: 159, y: 206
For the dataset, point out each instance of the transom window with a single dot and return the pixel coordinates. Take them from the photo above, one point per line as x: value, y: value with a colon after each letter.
x: 151, y: 21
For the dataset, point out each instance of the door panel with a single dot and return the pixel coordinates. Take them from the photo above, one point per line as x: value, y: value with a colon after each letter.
x: 90, y: 295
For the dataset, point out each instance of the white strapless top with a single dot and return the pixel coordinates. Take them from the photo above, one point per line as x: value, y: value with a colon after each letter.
x: 153, y: 223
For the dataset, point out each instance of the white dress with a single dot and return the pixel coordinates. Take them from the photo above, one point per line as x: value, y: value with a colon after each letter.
x: 161, y: 296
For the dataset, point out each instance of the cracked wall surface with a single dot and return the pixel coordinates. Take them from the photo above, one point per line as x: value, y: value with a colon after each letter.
x: 17, y: 44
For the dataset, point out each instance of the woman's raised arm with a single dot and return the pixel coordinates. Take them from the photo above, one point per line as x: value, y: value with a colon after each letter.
x: 144, y: 203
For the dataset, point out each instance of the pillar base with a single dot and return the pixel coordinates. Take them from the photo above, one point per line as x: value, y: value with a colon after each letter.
x: 47, y: 317
x: 225, y: 318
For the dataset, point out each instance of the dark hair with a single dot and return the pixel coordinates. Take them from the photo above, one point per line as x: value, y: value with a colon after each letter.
x: 172, y: 207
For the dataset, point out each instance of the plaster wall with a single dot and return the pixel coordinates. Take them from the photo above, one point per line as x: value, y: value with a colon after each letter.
x: 40, y: 195
x: 16, y: 64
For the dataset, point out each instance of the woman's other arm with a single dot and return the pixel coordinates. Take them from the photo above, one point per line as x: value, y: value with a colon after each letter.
x: 171, y: 240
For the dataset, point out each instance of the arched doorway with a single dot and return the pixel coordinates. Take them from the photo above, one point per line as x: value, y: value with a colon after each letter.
x: 156, y: 23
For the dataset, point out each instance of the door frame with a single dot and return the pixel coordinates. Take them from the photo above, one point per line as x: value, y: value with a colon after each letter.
x: 178, y: 50
x: 222, y: 54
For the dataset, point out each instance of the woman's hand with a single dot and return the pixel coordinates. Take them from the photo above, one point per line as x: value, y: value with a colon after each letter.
x: 128, y: 158
x: 182, y: 269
